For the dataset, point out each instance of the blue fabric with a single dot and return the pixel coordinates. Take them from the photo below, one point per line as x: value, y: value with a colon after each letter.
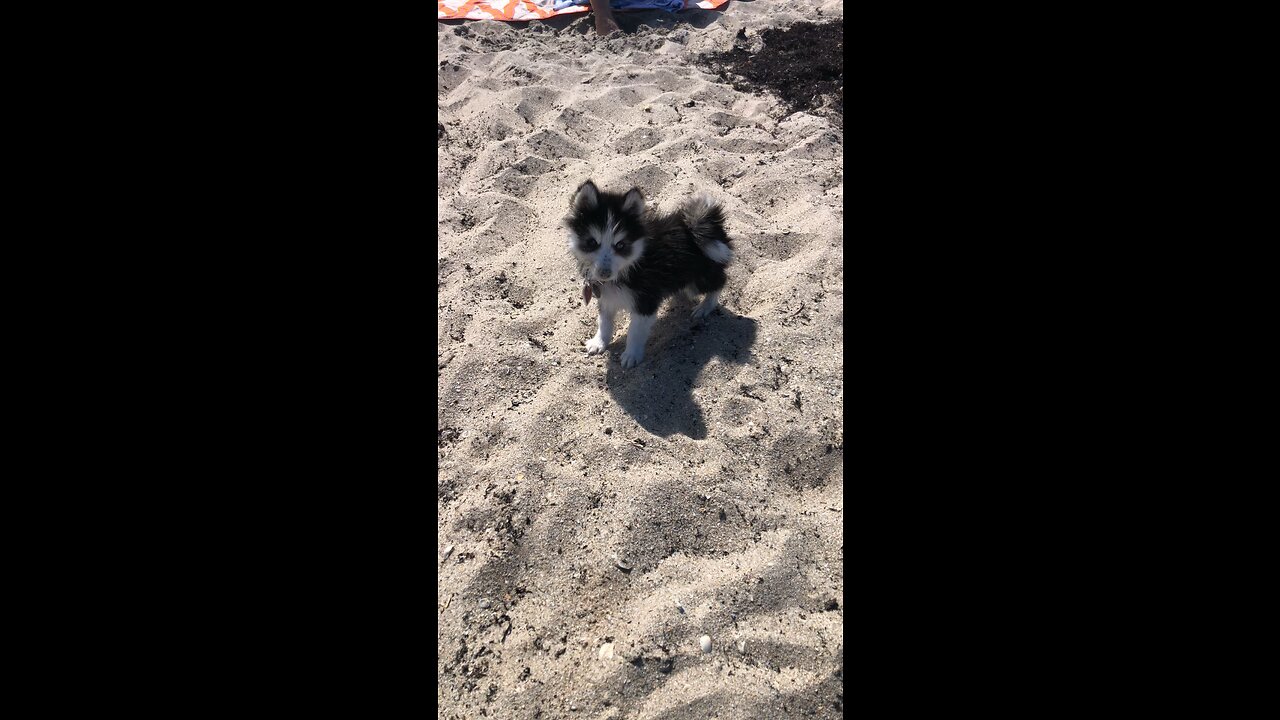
x: 668, y: 5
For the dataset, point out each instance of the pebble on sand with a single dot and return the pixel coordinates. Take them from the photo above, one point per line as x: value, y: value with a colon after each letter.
x: 606, y: 651
x: 705, y: 643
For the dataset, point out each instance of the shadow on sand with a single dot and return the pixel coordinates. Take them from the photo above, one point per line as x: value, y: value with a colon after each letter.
x: 658, y: 394
x: 629, y: 21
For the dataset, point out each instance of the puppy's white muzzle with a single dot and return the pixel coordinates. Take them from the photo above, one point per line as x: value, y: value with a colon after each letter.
x: 603, y: 268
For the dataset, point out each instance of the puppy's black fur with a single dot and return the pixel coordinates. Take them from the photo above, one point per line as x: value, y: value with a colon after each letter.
x: 678, y: 248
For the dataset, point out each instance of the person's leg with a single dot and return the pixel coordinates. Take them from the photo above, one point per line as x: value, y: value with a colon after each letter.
x: 605, y: 23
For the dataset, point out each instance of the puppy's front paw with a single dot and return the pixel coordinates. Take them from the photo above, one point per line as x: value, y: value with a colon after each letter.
x: 631, y: 357
x: 595, y: 345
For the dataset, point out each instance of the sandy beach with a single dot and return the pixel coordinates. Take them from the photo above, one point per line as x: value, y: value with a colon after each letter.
x: 595, y: 523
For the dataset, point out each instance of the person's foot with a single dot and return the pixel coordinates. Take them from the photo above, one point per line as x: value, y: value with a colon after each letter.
x: 606, y: 25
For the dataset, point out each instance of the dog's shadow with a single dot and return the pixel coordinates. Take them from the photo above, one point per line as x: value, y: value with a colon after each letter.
x: 658, y: 393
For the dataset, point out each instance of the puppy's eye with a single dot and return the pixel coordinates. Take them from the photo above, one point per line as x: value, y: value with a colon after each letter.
x: 591, y: 243
x: 619, y: 245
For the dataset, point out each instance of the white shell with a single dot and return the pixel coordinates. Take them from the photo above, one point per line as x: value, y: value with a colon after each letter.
x: 446, y: 553
x: 606, y: 651
x: 705, y: 643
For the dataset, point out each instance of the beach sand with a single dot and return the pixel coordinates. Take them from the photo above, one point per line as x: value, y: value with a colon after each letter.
x: 714, y: 471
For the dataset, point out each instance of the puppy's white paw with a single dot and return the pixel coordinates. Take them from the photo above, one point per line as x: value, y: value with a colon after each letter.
x: 595, y: 345
x: 632, y: 357
x: 702, y: 311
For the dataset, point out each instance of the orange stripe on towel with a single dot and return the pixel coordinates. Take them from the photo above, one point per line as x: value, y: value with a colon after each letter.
x: 535, y: 9
x: 499, y: 15
x: 465, y: 8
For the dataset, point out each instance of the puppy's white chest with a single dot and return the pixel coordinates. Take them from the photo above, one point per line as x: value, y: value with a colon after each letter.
x: 614, y: 298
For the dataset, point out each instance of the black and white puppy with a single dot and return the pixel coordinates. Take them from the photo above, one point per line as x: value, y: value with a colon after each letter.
x: 632, y: 258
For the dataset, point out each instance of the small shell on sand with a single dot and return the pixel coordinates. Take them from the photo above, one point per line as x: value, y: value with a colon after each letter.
x: 622, y: 564
x: 742, y: 647
x: 606, y: 651
x: 705, y: 643
x: 444, y: 555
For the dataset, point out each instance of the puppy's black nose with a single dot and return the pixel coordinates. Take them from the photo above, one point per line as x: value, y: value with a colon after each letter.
x: 606, y: 273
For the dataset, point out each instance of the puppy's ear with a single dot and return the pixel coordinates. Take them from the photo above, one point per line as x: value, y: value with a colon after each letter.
x: 634, y: 201
x: 587, y: 196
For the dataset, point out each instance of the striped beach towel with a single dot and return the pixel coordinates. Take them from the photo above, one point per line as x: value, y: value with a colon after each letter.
x: 516, y: 10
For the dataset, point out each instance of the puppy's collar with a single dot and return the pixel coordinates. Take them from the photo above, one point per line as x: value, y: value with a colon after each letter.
x: 591, y: 288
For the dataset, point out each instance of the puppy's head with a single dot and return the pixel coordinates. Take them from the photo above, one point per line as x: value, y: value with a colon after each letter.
x: 606, y: 232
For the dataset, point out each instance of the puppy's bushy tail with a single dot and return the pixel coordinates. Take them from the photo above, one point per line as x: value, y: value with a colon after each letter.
x: 705, y: 220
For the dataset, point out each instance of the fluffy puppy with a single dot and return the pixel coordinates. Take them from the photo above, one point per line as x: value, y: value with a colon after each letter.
x: 632, y: 258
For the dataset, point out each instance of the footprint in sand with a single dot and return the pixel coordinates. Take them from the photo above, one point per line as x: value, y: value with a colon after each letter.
x: 554, y: 145
x: 637, y: 140
x: 536, y: 103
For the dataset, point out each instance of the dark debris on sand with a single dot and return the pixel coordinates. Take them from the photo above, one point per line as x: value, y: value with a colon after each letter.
x: 803, y: 65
